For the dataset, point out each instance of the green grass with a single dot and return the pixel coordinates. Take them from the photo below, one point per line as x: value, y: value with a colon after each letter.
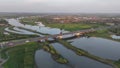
x: 117, y: 63
x: 1, y: 30
x: 80, y: 52
x: 65, y: 26
x: 100, y: 33
x: 103, y: 34
x: 33, y: 31
x: 55, y: 55
x: 21, y: 56
x: 3, y: 54
x: 2, y: 21
x: 73, y: 26
x: 12, y: 36
x: 29, y: 21
x: 69, y: 46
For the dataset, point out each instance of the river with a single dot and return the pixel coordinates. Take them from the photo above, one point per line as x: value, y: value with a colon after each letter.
x: 97, y: 46
x: 41, y: 29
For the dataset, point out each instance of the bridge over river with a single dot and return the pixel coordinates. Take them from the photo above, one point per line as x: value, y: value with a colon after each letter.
x: 57, y: 36
x: 60, y: 36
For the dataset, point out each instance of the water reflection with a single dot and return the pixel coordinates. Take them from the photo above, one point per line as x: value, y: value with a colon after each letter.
x: 41, y: 29
x: 115, y: 37
x: 98, y: 46
x: 78, y: 61
x: 44, y: 60
x: 20, y: 31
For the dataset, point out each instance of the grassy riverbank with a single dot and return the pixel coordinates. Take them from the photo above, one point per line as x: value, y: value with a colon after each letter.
x: 76, y: 50
x: 12, y: 36
x: 65, y: 26
x: 73, y: 26
x: 33, y: 31
x: 100, y: 33
x: 86, y: 54
x: 118, y: 63
x: 103, y: 34
x: 55, y: 55
x: 29, y: 21
x: 21, y: 56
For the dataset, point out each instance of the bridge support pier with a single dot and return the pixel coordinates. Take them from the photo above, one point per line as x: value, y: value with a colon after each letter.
x: 59, y: 37
x: 77, y: 34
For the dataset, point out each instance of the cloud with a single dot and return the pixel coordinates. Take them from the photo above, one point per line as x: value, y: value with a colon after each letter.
x: 60, y: 5
x: 35, y: 1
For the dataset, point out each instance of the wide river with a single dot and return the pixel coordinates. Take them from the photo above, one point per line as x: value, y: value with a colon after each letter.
x: 97, y: 46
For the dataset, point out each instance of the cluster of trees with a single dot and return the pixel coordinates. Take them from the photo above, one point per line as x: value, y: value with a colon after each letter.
x: 115, y: 30
x: 12, y: 36
x: 2, y: 21
x: 32, y: 20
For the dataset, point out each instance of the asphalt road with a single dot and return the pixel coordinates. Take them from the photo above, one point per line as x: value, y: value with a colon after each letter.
x: 23, y: 41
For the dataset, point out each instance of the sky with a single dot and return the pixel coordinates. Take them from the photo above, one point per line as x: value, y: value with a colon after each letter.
x: 63, y: 6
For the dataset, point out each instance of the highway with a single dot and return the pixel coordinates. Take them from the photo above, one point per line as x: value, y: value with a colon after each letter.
x: 22, y: 41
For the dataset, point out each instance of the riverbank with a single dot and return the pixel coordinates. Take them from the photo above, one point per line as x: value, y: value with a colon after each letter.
x: 66, y: 26
x: 86, y: 54
x: 103, y: 34
x: 12, y: 36
x: 30, y: 21
x: 26, y: 53
x: 33, y: 31
x: 73, y: 26
x: 55, y: 55
x: 117, y: 63
x: 21, y: 56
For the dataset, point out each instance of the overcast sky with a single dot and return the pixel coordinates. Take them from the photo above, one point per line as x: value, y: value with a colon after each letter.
x: 81, y: 6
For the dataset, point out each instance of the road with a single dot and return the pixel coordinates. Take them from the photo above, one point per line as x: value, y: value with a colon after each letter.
x: 23, y: 41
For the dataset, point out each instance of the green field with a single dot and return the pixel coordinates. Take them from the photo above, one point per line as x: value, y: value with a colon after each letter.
x: 29, y: 21
x: 73, y: 26
x: 13, y: 36
x: 100, y: 33
x: 105, y: 33
x: 21, y: 56
x: 65, y: 26
x: 2, y: 21
x: 118, y: 63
